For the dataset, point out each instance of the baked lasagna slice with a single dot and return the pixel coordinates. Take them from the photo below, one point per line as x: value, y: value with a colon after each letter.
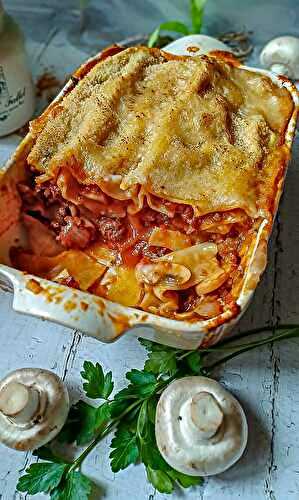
x: 148, y: 181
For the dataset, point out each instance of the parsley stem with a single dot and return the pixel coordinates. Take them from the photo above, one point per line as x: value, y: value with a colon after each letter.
x: 103, y: 433
x: 225, y: 345
x: 163, y: 384
x: 285, y: 334
x: 286, y: 331
x: 89, y: 448
x: 254, y: 331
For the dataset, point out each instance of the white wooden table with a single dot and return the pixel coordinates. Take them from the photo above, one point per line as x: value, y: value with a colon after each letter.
x: 266, y: 381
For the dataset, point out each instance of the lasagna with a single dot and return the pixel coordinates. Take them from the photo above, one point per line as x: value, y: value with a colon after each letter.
x: 147, y: 182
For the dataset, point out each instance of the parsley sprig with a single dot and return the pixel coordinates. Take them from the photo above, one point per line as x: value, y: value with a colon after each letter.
x: 196, y: 8
x: 130, y: 414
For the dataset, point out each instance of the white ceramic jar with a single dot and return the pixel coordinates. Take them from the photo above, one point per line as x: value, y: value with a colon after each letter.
x: 17, y: 94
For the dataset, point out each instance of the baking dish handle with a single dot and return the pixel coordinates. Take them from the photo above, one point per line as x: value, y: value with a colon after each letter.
x: 92, y: 315
x: 60, y: 304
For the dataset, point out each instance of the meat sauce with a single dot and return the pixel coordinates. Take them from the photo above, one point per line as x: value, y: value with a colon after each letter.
x: 107, y: 220
x: 97, y: 217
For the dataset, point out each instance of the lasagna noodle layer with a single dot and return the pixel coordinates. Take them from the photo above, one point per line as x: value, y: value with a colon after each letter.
x: 189, y: 129
x: 162, y: 258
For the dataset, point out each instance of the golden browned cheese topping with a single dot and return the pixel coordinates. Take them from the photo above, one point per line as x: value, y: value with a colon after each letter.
x: 194, y: 130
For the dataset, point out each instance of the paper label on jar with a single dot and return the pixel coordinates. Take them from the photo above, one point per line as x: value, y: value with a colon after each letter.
x: 9, y: 102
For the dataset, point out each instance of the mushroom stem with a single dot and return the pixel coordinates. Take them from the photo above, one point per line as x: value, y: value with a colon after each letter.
x: 19, y: 402
x: 206, y: 414
x: 34, y: 405
x: 200, y: 418
x: 201, y: 428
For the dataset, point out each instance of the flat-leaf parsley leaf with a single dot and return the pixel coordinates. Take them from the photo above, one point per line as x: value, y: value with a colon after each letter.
x: 98, y: 385
x: 131, y: 415
x: 41, y: 478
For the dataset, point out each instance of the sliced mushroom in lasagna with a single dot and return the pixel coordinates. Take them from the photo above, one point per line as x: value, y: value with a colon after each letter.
x: 148, y: 181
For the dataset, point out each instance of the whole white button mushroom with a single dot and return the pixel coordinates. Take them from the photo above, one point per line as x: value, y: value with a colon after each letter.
x: 201, y: 429
x: 281, y: 55
x: 34, y: 405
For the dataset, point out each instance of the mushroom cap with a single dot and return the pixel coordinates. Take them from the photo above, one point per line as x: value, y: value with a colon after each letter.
x: 166, y: 274
x: 201, y: 429
x: 281, y: 55
x: 203, y: 43
x: 34, y: 405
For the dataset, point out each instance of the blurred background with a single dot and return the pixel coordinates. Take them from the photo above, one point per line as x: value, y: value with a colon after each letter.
x: 91, y: 24
x: 60, y: 35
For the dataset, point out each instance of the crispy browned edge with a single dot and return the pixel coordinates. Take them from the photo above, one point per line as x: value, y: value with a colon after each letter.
x: 84, y: 69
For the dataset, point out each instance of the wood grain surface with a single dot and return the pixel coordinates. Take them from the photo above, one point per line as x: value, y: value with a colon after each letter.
x: 265, y: 381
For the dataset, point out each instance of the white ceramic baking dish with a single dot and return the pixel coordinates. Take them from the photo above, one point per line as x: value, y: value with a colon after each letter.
x: 98, y: 317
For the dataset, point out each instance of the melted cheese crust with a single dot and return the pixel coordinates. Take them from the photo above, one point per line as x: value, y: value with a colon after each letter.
x: 194, y: 130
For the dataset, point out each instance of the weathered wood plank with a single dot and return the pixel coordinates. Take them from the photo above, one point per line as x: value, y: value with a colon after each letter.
x: 284, y: 469
x: 264, y: 381
x: 27, y: 342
